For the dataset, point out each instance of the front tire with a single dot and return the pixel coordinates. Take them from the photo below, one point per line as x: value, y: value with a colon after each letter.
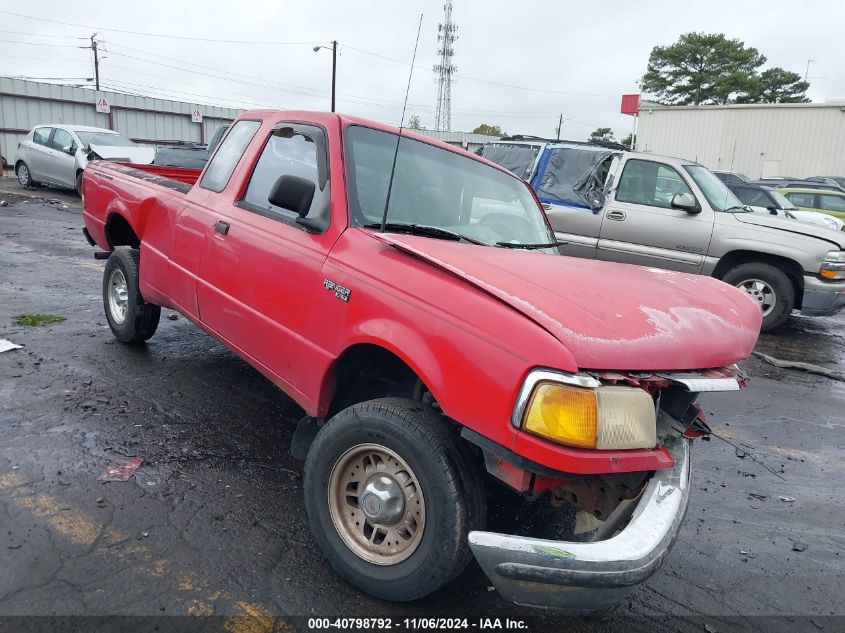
x: 770, y: 286
x: 390, y: 498
x: 79, y: 183
x: 131, y: 319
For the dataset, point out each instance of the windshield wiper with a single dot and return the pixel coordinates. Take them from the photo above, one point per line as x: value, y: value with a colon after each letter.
x: 529, y: 247
x: 424, y: 230
x: 742, y: 207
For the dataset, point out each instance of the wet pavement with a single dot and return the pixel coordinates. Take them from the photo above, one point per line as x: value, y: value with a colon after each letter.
x: 213, y: 522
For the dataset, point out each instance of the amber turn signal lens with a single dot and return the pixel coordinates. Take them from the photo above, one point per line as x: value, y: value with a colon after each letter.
x: 562, y: 413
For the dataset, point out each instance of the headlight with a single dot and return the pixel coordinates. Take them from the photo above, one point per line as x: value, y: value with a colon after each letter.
x: 833, y: 266
x: 601, y: 417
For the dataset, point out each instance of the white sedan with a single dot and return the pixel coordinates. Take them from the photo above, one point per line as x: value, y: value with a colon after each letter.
x: 57, y: 154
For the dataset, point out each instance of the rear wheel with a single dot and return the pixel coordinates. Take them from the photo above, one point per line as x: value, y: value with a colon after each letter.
x: 769, y: 286
x: 79, y: 183
x: 390, y: 498
x: 131, y: 319
x: 24, y: 175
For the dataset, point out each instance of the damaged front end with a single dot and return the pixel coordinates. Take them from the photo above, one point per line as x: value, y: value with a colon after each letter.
x: 629, y: 520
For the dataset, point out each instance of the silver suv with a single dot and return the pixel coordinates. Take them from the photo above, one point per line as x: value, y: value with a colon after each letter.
x: 664, y: 212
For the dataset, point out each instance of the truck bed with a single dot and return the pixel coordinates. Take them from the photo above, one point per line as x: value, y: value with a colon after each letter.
x: 177, y: 178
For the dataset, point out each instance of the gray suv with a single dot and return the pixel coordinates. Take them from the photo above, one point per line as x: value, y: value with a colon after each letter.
x: 675, y: 214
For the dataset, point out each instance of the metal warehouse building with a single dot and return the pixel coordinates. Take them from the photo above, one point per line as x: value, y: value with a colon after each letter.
x: 760, y: 140
x: 25, y: 104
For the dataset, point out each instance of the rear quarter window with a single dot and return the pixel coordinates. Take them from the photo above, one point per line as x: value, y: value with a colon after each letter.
x: 219, y: 170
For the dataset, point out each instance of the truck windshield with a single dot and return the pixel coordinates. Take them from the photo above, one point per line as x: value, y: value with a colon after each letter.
x: 516, y: 158
x: 718, y: 195
x: 433, y: 187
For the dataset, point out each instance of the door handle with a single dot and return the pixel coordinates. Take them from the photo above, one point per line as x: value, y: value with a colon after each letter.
x: 221, y: 227
x: 615, y: 215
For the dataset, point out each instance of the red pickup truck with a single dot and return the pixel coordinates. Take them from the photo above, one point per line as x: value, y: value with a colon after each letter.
x: 410, y: 297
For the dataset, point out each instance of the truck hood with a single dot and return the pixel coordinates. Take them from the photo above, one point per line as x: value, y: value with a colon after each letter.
x: 608, y: 316
x: 137, y: 155
x: 837, y: 238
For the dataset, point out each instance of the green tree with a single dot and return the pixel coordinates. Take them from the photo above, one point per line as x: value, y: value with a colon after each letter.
x: 489, y: 130
x: 602, y: 135
x: 702, y: 68
x: 777, y: 85
x: 414, y: 122
x: 628, y: 141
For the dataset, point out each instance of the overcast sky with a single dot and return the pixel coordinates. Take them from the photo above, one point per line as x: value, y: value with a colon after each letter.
x: 520, y: 64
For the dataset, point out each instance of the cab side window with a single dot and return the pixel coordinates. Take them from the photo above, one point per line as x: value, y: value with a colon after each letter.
x: 296, y: 150
x: 219, y: 170
x: 41, y: 136
x: 832, y: 203
x: 648, y: 183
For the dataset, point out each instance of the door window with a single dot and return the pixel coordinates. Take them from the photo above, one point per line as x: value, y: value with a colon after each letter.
x: 801, y: 199
x: 290, y: 151
x: 649, y: 183
x: 41, y: 136
x: 62, y: 140
x: 219, y: 170
x: 832, y: 203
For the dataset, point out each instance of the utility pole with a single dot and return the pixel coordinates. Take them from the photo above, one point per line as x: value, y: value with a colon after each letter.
x: 807, y: 71
x: 94, y: 44
x: 559, y: 126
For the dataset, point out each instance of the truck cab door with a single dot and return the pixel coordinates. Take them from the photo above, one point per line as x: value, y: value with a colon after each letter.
x: 641, y: 226
x: 262, y: 267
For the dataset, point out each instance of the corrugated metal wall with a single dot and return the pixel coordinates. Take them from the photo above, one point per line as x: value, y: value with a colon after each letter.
x: 25, y: 104
x: 797, y: 140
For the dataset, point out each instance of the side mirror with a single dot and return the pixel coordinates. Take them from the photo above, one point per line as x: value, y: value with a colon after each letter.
x: 685, y: 202
x: 772, y: 209
x: 292, y: 193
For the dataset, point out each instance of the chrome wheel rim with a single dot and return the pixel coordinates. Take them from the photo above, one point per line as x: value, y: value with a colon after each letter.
x: 118, y: 296
x: 376, y: 504
x: 762, y: 292
x: 23, y: 174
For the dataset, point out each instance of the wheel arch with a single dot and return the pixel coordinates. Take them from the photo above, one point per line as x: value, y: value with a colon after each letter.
x: 791, y: 268
x: 372, y: 367
x: 119, y: 231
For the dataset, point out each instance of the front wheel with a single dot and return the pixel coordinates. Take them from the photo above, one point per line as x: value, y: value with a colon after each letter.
x: 769, y: 286
x: 131, y: 319
x: 390, y: 498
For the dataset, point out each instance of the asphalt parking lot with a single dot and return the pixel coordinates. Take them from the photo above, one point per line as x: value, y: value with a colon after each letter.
x: 213, y: 523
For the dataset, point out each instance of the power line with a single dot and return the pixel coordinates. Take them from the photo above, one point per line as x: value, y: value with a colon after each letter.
x: 164, y: 35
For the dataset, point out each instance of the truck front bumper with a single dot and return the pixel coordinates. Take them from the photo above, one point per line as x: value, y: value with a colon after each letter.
x: 822, y: 298
x: 593, y: 577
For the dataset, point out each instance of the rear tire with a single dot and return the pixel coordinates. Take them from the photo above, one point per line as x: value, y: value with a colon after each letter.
x: 770, y: 286
x: 131, y: 319
x: 79, y: 183
x: 439, y: 499
x: 24, y: 175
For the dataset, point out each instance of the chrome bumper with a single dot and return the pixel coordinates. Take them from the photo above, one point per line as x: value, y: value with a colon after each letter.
x: 587, y: 578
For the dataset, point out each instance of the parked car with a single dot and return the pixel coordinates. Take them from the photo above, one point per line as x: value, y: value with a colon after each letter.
x: 829, y: 180
x: 827, y: 202
x: 410, y: 297
x: 769, y: 200
x: 57, y: 154
x: 670, y: 213
x: 189, y: 154
x: 730, y: 177
x: 782, y: 183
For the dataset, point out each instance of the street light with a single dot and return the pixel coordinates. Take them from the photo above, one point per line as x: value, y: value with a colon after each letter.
x: 333, y: 49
